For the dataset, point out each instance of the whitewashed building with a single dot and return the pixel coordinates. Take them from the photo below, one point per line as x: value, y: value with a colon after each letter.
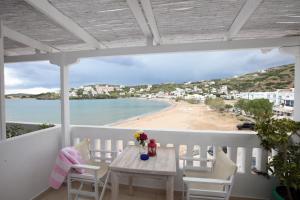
x: 282, y: 99
x: 279, y: 97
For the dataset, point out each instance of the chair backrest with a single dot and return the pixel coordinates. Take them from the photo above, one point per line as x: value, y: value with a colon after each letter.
x: 223, y: 168
x: 84, y: 149
x: 89, y: 154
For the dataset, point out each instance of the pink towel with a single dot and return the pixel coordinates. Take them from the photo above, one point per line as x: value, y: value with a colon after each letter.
x: 67, y: 157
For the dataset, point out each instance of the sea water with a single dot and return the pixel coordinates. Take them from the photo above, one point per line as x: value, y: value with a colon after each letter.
x: 83, y: 112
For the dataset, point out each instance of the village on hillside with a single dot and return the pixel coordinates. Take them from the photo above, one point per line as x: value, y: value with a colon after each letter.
x: 249, y: 86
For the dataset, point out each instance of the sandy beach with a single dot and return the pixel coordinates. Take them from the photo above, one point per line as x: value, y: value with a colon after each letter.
x: 183, y: 115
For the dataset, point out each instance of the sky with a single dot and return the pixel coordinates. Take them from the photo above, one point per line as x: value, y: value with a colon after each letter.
x: 37, y: 77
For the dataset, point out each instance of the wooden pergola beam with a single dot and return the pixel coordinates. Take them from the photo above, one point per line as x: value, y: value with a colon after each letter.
x: 67, y: 23
x: 147, y: 7
x: 21, y: 38
x: 245, y: 13
x: 172, y: 48
x: 141, y: 20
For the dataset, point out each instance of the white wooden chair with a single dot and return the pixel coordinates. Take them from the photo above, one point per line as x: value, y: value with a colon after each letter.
x: 212, y: 183
x: 96, y: 172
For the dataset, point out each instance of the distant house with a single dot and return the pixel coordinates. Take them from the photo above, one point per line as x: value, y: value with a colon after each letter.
x: 148, y: 88
x: 283, y: 100
x: 213, y: 90
x: 178, y: 92
x: 131, y: 90
x: 196, y: 97
x: 223, y: 89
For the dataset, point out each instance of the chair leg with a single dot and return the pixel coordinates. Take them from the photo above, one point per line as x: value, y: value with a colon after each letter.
x: 187, y: 194
x: 183, y: 189
x: 69, y: 187
x: 96, y: 190
x: 104, y: 186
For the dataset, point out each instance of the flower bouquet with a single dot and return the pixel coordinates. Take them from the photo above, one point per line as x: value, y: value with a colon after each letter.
x: 141, y: 137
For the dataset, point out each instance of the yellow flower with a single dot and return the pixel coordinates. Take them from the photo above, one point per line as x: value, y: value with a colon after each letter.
x: 137, y: 135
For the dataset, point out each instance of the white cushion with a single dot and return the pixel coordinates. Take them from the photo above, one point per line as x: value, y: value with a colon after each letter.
x: 84, y: 149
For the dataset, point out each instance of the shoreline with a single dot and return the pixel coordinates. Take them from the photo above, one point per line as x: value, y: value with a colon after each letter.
x: 184, y: 116
x: 121, y: 121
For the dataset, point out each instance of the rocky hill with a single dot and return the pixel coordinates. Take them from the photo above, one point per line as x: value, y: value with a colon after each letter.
x: 281, y: 77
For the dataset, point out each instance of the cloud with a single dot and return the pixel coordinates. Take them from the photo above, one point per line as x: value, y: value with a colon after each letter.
x: 35, y: 90
x: 146, y: 69
x: 32, y: 74
x: 11, y: 78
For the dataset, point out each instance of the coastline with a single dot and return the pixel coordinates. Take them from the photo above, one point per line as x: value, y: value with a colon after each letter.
x: 184, y: 116
x: 121, y: 121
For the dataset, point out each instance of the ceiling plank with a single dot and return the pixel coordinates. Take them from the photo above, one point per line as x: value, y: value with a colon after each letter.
x: 189, y: 47
x: 52, y: 13
x: 140, y: 18
x: 245, y: 13
x: 147, y: 7
x: 21, y: 38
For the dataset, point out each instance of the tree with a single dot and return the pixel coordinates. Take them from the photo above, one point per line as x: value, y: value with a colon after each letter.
x: 259, y: 108
x: 278, y: 135
x: 241, y: 104
x: 216, y: 103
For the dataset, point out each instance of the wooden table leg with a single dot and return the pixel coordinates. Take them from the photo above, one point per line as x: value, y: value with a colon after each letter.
x: 114, y: 185
x: 130, y: 180
x: 170, y: 188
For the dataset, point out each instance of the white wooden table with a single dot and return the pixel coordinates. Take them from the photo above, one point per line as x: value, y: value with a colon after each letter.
x: 128, y: 162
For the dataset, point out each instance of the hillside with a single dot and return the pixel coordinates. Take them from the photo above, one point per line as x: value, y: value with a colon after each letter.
x: 281, y: 77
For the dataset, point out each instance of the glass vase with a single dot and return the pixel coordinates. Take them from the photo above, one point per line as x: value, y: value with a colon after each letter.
x: 142, y: 149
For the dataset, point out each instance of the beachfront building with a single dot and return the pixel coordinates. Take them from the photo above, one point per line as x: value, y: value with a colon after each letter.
x: 64, y: 31
x: 178, y: 93
x: 279, y: 97
x: 282, y: 99
x: 196, y: 97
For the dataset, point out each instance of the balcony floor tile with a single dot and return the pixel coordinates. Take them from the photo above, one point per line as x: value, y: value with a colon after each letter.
x: 139, y: 194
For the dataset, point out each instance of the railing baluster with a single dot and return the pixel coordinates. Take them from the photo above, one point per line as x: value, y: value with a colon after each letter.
x: 189, y: 153
x: 203, y: 155
x: 232, y: 153
x: 177, y: 154
x: 97, y: 146
x: 248, y: 160
x: 264, y: 160
x: 102, y: 147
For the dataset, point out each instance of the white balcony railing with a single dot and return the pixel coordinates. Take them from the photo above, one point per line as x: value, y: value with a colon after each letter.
x: 26, y: 161
x: 243, y: 148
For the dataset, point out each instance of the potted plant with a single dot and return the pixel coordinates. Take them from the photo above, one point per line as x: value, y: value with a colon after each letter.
x: 282, y: 136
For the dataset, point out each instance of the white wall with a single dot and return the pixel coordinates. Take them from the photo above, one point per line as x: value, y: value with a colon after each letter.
x: 26, y: 162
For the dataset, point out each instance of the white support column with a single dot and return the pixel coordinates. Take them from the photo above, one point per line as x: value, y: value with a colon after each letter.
x: 297, y: 86
x: 295, y: 51
x: 64, y: 64
x: 65, y: 104
x: 2, y: 86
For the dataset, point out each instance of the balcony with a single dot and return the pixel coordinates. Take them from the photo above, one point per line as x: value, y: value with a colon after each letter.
x: 26, y: 161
